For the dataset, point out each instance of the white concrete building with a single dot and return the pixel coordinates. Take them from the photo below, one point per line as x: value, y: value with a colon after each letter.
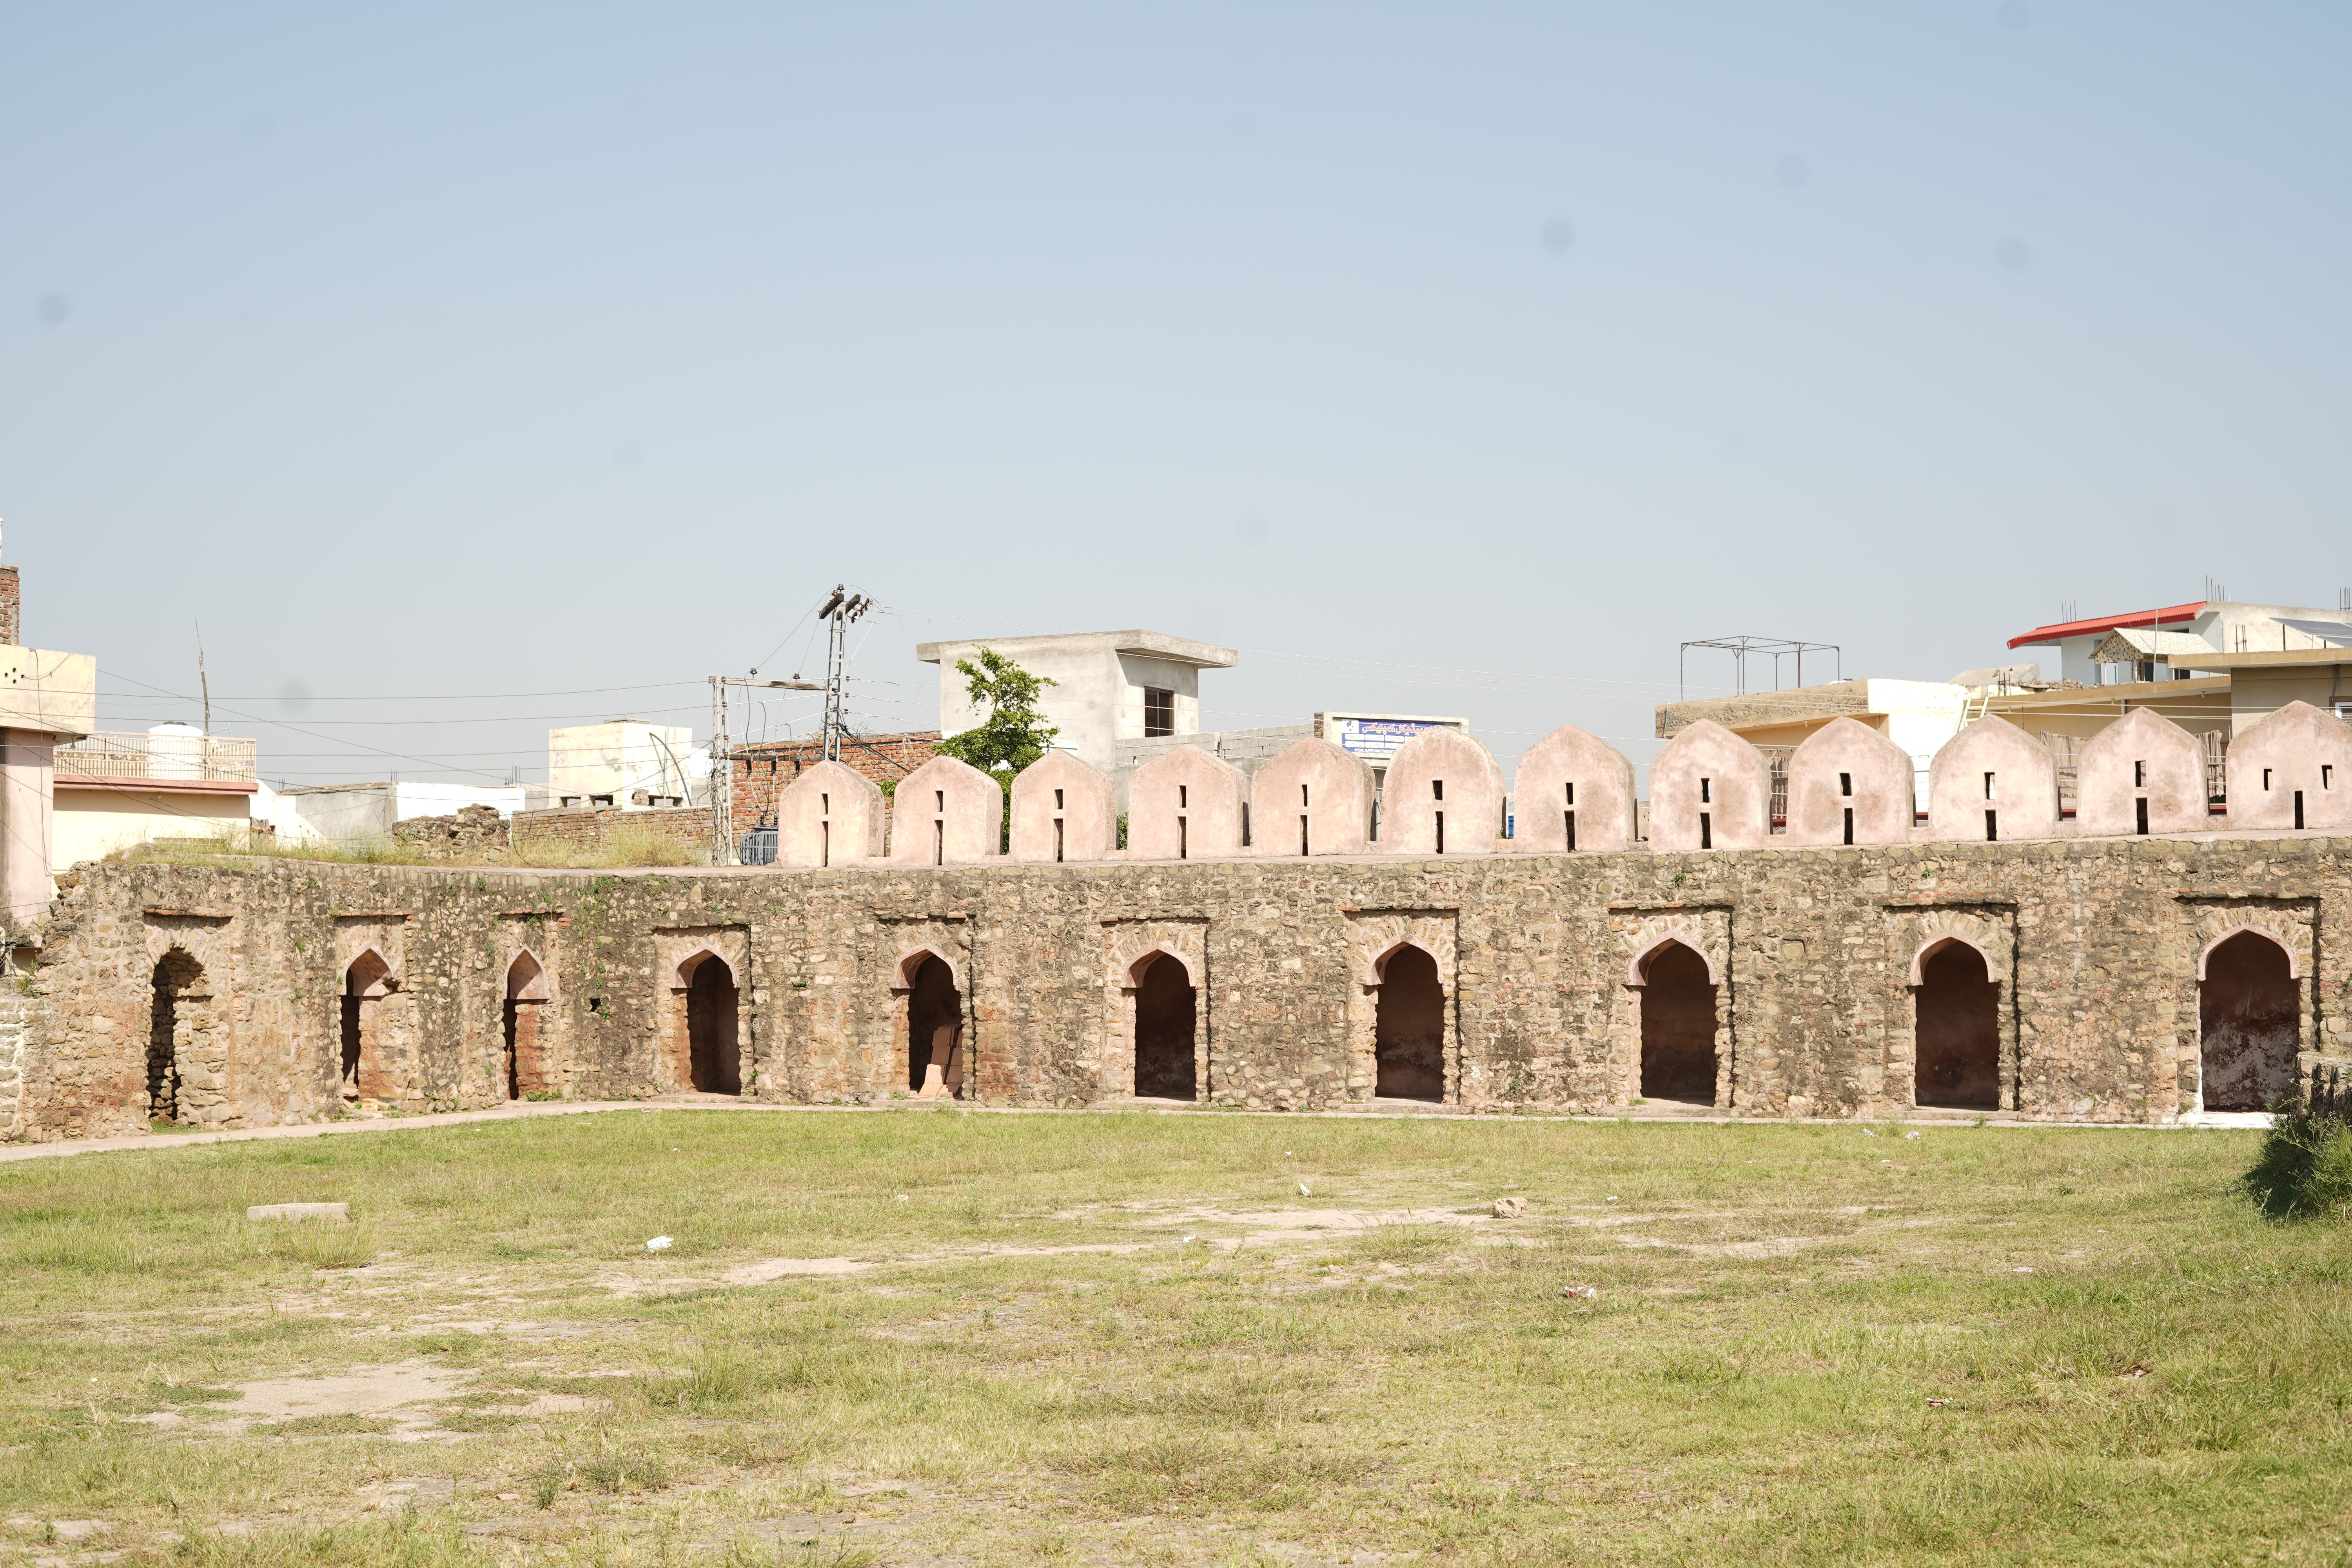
x: 115, y: 789
x: 1109, y: 687
x: 46, y: 697
x: 348, y: 814
x: 2150, y: 645
x: 625, y: 762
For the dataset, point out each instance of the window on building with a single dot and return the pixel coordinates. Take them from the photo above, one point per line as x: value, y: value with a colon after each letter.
x: 1159, y: 712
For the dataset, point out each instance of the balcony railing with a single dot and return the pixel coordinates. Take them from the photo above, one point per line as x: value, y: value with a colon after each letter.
x: 166, y: 759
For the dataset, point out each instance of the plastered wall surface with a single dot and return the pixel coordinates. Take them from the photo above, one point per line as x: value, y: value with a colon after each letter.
x: 1572, y: 781
x: 1850, y: 785
x: 2096, y: 943
x: 1442, y: 795
x: 2143, y: 757
x: 1063, y: 810
x: 1709, y: 788
x: 1185, y: 804
x: 2297, y: 754
x: 829, y: 816
x: 1992, y: 781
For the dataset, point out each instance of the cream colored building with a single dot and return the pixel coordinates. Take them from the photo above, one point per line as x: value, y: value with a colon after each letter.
x: 114, y: 790
x: 625, y: 762
x: 45, y: 698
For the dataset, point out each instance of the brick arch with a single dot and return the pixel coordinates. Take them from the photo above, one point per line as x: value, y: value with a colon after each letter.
x: 1133, y: 968
x: 1375, y: 938
x: 903, y: 973
x: 1376, y: 969
x: 370, y: 961
x: 2295, y: 966
x: 1657, y: 942
x: 683, y: 972
x: 1936, y: 941
x: 536, y: 988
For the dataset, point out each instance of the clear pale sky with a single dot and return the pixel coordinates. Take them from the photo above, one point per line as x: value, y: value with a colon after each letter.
x: 445, y: 353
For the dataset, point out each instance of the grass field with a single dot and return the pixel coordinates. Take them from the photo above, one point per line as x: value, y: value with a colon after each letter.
x: 930, y: 1336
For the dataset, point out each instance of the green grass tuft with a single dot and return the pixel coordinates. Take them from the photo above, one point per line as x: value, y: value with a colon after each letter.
x: 2304, y: 1168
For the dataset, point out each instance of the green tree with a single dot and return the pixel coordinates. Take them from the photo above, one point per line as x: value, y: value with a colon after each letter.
x: 1014, y: 734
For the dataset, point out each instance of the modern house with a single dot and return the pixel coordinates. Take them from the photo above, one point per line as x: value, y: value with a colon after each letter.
x: 2170, y: 642
x: 46, y: 697
x: 115, y: 789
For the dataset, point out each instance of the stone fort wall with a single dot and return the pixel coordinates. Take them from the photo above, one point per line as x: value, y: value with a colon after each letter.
x: 266, y: 992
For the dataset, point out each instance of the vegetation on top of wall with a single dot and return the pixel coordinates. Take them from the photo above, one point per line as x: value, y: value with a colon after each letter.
x: 2304, y: 1168
x: 627, y: 844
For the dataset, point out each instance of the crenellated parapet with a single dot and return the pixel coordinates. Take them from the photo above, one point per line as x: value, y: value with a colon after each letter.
x: 1710, y: 791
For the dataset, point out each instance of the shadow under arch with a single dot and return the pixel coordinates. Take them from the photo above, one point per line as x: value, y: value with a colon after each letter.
x: 1408, y: 1024
x: 1955, y: 1025
x: 368, y: 979
x: 1677, y: 992
x: 179, y: 1007
x: 2248, y: 1020
x: 526, y: 1064
x: 1165, y: 997
x: 711, y: 1004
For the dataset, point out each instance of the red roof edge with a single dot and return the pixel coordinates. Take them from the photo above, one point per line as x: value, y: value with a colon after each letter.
x: 2178, y: 614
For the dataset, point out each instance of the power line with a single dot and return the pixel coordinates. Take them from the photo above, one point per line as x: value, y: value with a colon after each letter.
x: 458, y: 697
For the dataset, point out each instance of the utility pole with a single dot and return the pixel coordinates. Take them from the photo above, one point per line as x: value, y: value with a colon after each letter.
x: 838, y: 612
x: 722, y: 764
x: 202, y: 679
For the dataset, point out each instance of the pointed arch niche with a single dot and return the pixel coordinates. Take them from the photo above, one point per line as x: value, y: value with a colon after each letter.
x: 1156, y: 1005
x: 706, y: 1034
x: 1952, y: 1034
x: 2253, y: 963
x: 527, y: 1060
x: 930, y: 1009
x: 1673, y: 991
x: 1405, y: 1035
x: 374, y: 1030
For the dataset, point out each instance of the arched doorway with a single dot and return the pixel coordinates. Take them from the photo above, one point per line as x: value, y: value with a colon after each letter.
x: 1166, y: 1014
x: 365, y: 986
x: 713, y: 1056
x: 1408, y: 1029
x: 2249, y: 1024
x: 527, y: 1067
x: 935, y: 1031
x: 1956, y: 1030
x: 179, y: 991
x: 1677, y: 1027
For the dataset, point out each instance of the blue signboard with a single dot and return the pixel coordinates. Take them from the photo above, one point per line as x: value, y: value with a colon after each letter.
x: 1376, y: 739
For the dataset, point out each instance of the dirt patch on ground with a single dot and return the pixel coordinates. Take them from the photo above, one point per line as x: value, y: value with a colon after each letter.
x: 390, y: 1390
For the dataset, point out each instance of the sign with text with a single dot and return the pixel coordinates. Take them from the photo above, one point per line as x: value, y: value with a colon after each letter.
x: 1376, y: 739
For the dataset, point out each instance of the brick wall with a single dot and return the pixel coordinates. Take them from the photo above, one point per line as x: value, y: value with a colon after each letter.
x: 12, y: 629
x: 763, y: 769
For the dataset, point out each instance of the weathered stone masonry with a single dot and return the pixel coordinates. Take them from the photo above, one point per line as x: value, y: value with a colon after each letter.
x: 2095, y: 947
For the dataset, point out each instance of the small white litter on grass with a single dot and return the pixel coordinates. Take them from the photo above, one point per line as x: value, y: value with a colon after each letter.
x: 1303, y: 1190
x: 658, y: 1244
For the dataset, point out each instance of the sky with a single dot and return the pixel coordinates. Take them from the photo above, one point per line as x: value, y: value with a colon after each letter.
x: 465, y: 370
